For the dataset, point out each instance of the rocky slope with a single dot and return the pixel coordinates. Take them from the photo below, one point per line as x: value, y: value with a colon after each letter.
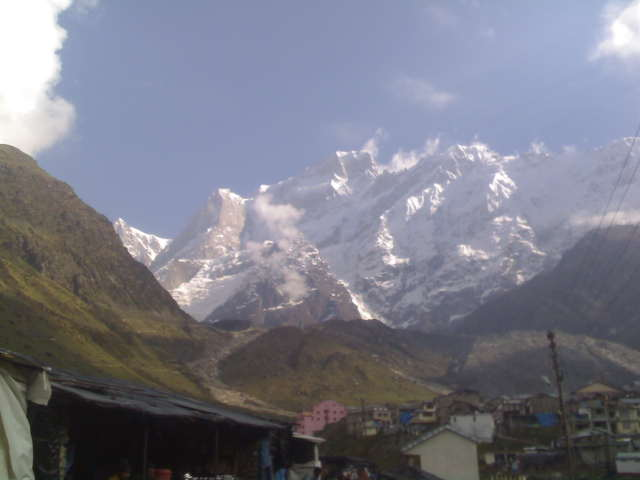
x: 144, y: 247
x: 594, y: 290
x: 244, y: 259
x: 347, y: 361
x: 72, y: 297
x: 419, y: 242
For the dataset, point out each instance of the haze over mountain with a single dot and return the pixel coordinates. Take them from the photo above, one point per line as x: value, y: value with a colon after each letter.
x: 420, y: 242
x: 594, y: 291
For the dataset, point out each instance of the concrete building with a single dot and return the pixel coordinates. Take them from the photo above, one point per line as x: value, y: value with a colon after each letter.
x: 597, y: 389
x: 321, y: 415
x: 444, y: 452
x: 369, y: 421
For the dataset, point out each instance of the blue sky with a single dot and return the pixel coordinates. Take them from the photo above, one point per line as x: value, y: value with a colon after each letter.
x: 155, y: 103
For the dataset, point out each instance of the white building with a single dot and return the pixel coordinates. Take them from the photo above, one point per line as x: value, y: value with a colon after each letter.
x: 446, y: 453
x: 628, y: 463
x: 479, y: 425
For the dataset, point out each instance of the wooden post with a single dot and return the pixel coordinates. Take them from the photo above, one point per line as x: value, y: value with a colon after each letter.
x: 216, y: 457
x: 145, y: 449
x: 563, y: 412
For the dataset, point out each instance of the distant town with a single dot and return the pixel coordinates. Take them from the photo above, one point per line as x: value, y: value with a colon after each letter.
x: 465, y: 436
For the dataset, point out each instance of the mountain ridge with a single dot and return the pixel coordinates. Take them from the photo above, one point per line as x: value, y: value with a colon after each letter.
x: 419, y: 243
x: 72, y: 296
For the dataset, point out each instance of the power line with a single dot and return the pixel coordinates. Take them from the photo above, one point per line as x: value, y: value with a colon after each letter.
x: 588, y: 255
x: 620, y: 258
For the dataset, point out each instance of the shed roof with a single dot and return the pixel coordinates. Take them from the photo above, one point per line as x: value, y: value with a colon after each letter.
x: 110, y: 393
x: 434, y: 433
x: 22, y: 360
x: 118, y: 394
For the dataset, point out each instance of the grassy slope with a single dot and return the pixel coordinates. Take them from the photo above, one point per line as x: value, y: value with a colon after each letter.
x: 295, y: 368
x: 71, y: 296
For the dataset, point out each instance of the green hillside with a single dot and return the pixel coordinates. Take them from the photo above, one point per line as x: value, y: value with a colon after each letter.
x: 72, y: 297
x: 343, y: 361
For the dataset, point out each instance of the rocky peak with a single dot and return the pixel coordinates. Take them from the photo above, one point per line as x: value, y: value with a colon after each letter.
x: 213, y: 231
x: 144, y: 247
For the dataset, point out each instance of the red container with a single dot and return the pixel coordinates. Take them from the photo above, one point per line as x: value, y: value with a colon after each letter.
x: 161, y: 474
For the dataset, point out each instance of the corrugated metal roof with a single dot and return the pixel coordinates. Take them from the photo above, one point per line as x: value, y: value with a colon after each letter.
x: 113, y: 393
x: 122, y: 395
x: 22, y: 360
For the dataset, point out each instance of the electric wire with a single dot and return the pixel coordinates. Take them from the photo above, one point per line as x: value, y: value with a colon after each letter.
x: 589, y: 258
x: 599, y: 286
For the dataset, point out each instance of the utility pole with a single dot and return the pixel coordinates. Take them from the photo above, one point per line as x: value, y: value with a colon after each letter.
x: 363, y: 424
x: 563, y: 412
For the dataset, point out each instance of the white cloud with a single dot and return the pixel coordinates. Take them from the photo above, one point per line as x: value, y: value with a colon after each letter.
x: 621, y: 36
x: 32, y: 116
x: 280, y: 220
x: 371, y: 146
x: 402, y: 160
x: 421, y: 93
x: 622, y: 217
x: 538, y: 147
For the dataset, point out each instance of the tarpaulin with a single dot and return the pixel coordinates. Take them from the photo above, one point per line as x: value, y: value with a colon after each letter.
x: 406, y: 417
x: 547, y: 419
x: 16, y: 447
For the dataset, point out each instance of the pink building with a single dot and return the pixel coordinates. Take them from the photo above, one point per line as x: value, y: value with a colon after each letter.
x: 324, y: 413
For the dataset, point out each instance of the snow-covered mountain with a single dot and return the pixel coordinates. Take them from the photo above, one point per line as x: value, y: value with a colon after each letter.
x: 144, y: 247
x: 245, y: 259
x: 421, y: 241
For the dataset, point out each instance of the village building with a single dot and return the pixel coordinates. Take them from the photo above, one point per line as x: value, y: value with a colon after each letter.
x: 628, y: 416
x: 321, y: 415
x: 516, y: 411
x: 542, y: 403
x: 606, y: 425
x: 425, y: 413
x: 89, y: 426
x: 416, y: 417
x: 597, y: 389
x: 628, y: 463
x: 612, y: 415
x: 460, y: 402
x: 369, y: 420
x: 444, y: 452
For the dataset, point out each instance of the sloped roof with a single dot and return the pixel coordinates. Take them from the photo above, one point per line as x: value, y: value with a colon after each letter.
x: 110, y: 393
x: 21, y: 360
x: 434, y: 433
x: 118, y: 394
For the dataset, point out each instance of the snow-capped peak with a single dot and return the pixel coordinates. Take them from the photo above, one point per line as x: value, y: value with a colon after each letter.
x: 419, y: 241
x: 142, y: 246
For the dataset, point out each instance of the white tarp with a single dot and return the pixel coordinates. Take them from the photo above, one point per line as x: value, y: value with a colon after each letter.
x: 16, y: 446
